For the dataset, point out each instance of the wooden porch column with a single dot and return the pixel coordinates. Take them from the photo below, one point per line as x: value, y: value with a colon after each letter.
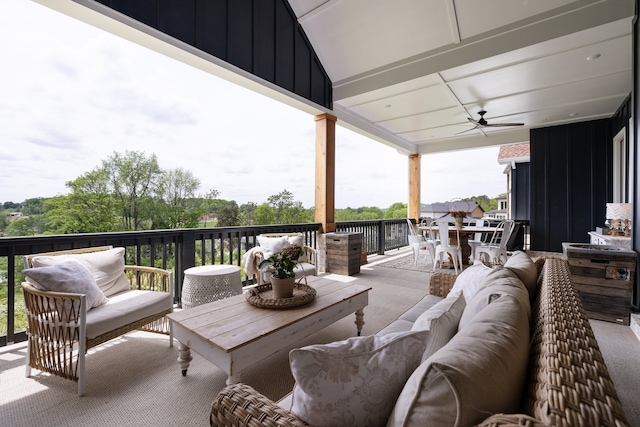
x: 413, y: 210
x: 325, y: 171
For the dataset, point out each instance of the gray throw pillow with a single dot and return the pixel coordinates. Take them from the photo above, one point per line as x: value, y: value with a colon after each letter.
x: 68, y: 276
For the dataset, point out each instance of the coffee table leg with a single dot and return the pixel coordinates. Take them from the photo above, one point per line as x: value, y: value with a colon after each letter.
x: 184, y: 357
x: 359, y: 320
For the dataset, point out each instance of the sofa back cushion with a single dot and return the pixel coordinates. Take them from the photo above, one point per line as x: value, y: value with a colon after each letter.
x: 442, y: 322
x: 356, y: 381
x: 523, y: 266
x: 106, y: 267
x: 499, y: 282
x: 481, y: 371
x: 469, y: 282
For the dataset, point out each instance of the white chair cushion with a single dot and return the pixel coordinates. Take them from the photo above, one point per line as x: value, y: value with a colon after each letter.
x: 353, y: 382
x: 271, y: 245
x: 442, y: 320
x: 107, y: 268
x: 68, y: 276
x: 124, y: 308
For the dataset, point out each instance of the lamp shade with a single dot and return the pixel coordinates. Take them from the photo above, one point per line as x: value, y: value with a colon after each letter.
x: 618, y: 211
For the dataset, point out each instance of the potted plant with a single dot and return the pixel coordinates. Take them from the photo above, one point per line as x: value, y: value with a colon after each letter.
x: 458, y: 216
x: 281, y: 265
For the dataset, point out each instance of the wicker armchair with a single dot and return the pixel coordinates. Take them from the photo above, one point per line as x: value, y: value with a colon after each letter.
x: 57, y: 321
x: 303, y: 268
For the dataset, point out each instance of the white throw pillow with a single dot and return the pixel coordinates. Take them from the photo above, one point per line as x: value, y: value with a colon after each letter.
x: 271, y: 245
x: 442, y: 321
x: 69, y: 276
x: 469, y: 281
x: 107, y: 267
x: 353, y: 382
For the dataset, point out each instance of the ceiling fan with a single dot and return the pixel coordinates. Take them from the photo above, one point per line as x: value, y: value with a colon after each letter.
x: 482, y: 123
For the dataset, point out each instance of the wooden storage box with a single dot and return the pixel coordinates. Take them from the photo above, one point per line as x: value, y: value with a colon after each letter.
x: 344, y: 253
x: 603, y: 277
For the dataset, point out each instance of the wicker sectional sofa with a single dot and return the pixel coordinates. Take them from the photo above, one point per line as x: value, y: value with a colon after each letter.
x: 564, y: 382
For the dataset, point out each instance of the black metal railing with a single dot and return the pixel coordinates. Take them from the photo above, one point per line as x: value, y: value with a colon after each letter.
x: 175, y: 250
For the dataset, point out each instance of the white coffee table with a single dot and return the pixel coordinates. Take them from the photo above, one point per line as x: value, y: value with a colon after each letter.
x: 233, y: 334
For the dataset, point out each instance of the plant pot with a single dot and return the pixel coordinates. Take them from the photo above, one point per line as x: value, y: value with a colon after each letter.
x: 282, y: 288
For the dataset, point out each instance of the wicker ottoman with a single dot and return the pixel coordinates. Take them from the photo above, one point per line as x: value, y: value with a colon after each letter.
x: 210, y: 283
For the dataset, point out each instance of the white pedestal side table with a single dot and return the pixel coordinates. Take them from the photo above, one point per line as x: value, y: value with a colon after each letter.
x: 210, y: 283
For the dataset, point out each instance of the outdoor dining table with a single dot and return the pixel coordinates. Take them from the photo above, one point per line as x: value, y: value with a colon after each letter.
x: 465, y: 232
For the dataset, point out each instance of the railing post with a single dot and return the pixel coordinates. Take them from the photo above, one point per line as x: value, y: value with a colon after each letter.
x: 381, y: 238
x: 185, y: 258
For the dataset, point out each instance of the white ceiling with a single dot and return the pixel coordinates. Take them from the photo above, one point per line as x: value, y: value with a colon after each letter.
x: 410, y: 72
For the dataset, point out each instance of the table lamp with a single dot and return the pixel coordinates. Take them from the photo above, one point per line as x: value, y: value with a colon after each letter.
x: 620, y: 216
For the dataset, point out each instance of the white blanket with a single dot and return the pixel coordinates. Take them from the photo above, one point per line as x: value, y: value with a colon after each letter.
x: 250, y: 262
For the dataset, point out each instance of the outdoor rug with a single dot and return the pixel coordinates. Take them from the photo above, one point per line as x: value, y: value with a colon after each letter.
x: 406, y: 263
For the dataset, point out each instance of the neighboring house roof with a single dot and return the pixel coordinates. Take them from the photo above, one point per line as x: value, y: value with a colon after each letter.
x: 514, y: 153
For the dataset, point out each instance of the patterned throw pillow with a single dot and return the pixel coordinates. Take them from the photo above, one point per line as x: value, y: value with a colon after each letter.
x: 68, y: 276
x: 353, y: 382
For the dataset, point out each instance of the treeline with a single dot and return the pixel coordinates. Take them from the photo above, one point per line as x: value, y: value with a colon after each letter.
x: 131, y: 192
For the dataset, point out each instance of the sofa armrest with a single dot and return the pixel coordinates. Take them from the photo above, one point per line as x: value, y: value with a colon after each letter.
x: 149, y: 278
x: 441, y: 283
x: 241, y: 405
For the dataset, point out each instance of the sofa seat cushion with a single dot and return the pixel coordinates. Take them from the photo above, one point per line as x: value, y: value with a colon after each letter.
x: 353, y: 382
x: 124, y: 308
x: 481, y: 371
x: 107, y: 267
x: 423, y: 305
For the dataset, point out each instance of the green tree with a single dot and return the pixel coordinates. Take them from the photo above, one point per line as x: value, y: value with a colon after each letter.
x: 208, y: 200
x: 81, y: 213
x: 280, y: 203
x: 396, y: 210
x: 27, y: 226
x: 133, y: 180
x: 176, y: 191
x: 33, y: 206
x: 265, y: 214
x: 248, y: 214
x: 229, y: 215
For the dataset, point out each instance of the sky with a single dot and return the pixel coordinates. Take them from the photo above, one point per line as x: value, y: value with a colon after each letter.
x: 72, y: 95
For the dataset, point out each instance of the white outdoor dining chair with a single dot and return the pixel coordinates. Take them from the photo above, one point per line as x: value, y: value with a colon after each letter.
x: 418, y: 242
x: 446, y: 248
x: 478, y: 239
x: 496, y: 251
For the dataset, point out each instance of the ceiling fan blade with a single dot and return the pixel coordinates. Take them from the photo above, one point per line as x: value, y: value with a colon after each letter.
x: 504, y: 124
x: 475, y: 122
x: 469, y: 130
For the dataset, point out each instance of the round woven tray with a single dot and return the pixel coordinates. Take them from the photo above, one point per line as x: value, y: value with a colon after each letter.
x: 262, y: 296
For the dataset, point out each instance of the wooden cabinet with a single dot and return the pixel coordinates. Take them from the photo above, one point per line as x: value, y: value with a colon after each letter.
x: 343, y: 253
x: 603, y: 277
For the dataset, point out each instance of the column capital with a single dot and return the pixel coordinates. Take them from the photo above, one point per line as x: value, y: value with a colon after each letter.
x: 326, y: 116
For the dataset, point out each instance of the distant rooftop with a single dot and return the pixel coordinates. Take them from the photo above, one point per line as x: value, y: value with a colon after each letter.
x: 514, y: 153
